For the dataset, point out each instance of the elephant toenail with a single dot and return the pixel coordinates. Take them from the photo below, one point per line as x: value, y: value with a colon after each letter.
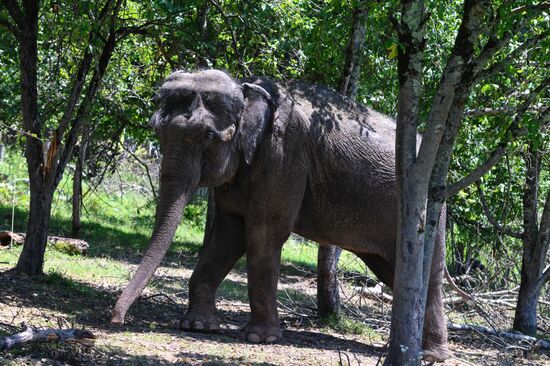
x: 254, y: 338
x: 186, y: 324
x: 271, y: 339
x: 198, y: 325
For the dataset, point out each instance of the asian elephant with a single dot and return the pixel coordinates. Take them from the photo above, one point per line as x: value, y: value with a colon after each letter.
x: 282, y: 158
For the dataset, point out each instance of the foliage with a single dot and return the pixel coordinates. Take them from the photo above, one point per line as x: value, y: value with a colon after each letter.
x: 343, y: 324
x: 281, y: 39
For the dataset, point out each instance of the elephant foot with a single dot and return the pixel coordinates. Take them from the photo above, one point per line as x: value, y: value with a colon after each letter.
x: 203, y: 321
x: 435, y: 353
x: 261, y: 333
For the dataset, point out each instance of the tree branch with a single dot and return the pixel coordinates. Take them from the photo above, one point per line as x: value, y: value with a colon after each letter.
x: 513, y: 132
x: 234, y: 43
x: 481, y: 74
x: 506, y: 110
x: 492, y: 220
x: 12, y: 28
x: 457, y: 66
x: 29, y: 335
x: 85, y: 105
x: 146, y: 167
x: 15, y: 12
x: 80, y: 76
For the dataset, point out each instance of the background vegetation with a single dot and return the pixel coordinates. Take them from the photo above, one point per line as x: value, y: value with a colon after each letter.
x: 284, y: 39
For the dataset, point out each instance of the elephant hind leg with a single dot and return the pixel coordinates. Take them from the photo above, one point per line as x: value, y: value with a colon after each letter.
x: 382, y: 269
x: 435, y: 322
x: 434, y: 340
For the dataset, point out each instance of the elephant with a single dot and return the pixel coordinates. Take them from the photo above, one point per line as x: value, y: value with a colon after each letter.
x: 280, y: 157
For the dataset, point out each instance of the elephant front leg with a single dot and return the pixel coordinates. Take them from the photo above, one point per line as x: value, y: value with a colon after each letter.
x: 263, y: 261
x: 224, y: 244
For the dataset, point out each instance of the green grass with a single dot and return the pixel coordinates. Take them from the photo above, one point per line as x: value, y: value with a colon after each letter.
x: 343, y: 324
x: 118, y: 226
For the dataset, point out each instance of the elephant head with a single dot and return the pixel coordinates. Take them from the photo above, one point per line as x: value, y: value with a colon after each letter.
x: 208, y: 124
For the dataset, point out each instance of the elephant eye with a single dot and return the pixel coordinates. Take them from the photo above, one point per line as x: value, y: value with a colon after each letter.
x: 209, y: 135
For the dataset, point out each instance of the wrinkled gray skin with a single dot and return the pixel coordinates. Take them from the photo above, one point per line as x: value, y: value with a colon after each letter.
x: 282, y: 158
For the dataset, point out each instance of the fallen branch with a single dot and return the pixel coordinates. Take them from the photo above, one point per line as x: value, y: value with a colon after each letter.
x: 376, y: 293
x: 67, y: 245
x: 29, y: 335
x: 535, y: 343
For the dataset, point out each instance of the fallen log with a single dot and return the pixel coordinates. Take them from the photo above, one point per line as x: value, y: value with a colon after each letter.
x: 375, y: 293
x: 67, y: 245
x: 534, y: 342
x: 29, y: 335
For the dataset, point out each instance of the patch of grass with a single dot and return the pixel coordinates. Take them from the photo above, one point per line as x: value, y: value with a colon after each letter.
x: 303, y: 253
x: 344, y: 325
x: 118, y: 224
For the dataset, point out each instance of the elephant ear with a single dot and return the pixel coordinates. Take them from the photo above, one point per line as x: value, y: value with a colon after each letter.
x: 258, y: 112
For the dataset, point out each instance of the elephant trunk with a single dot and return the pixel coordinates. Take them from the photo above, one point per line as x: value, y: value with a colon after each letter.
x: 174, y: 195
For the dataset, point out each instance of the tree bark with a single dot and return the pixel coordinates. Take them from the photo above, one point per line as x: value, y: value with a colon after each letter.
x: 406, y: 327
x: 328, y: 292
x: 352, y: 68
x: 77, y: 187
x: 47, y: 156
x: 535, y: 247
x: 32, y: 257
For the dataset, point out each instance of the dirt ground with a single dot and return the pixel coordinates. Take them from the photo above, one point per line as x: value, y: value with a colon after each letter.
x: 152, y: 337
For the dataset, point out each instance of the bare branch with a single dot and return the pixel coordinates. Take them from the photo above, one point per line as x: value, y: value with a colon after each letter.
x: 538, y: 7
x: 146, y: 167
x: 491, y: 219
x: 507, y: 110
x: 544, y: 344
x: 28, y: 335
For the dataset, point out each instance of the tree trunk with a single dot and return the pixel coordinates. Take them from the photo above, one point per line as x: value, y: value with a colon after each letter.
x: 32, y: 257
x: 31, y: 260
x: 535, y: 247
x: 328, y: 293
x: 77, y: 194
x: 77, y: 182
x: 354, y: 50
x: 525, y: 319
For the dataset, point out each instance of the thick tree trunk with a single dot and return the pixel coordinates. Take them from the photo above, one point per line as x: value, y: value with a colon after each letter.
x: 525, y: 319
x: 31, y: 260
x: 328, y: 293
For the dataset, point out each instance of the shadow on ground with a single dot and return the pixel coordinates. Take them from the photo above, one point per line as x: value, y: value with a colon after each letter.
x: 107, y: 241
x: 89, y: 306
